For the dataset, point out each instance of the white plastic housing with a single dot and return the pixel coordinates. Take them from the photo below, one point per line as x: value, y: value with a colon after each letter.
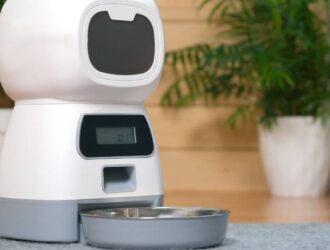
x: 45, y: 68
x: 43, y: 51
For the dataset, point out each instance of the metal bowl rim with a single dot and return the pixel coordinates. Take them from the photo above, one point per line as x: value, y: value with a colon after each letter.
x: 219, y: 213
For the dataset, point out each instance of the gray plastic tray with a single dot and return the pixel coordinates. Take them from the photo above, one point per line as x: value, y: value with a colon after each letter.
x: 155, y: 228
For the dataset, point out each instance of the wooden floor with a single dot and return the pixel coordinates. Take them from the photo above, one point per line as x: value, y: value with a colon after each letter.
x: 257, y: 208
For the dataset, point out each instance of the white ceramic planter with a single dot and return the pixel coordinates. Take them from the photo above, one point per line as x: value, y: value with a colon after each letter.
x: 296, y: 156
x: 5, y: 115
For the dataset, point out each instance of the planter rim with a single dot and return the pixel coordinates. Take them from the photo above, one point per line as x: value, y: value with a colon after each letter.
x: 293, y: 120
x: 296, y: 117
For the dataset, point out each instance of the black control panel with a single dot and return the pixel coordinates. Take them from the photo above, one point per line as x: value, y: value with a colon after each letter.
x: 103, y: 136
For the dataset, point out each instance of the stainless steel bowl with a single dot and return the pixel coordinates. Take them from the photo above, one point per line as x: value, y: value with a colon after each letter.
x: 155, y: 228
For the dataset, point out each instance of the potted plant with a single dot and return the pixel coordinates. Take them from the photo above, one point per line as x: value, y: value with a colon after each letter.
x: 277, y: 66
x: 5, y: 105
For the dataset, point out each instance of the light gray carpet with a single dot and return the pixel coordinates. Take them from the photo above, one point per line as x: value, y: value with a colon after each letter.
x: 263, y: 237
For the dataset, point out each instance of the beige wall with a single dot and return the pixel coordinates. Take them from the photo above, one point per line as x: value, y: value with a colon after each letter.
x: 197, y: 151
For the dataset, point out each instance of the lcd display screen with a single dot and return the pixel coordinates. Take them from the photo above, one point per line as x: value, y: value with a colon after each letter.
x: 106, y: 136
x: 116, y: 136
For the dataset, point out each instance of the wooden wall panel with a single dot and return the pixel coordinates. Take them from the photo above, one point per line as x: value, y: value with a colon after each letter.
x: 213, y: 170
x: 198, y: 153
x: 182, y: 10
x: 200, y: 128
x: 182, y: 34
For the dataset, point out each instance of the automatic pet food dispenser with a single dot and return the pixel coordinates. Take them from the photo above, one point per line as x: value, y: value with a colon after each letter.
x: 79, y: 140
x: 79, y: 137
